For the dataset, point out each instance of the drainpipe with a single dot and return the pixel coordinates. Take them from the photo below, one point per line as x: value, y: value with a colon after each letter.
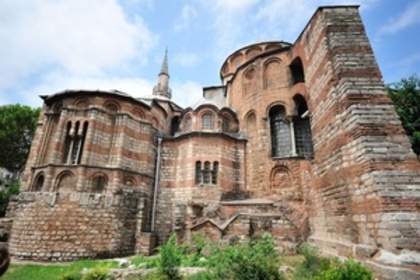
x: 157, y: 173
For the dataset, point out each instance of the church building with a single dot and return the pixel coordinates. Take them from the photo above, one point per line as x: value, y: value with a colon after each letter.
x: 299, y: 140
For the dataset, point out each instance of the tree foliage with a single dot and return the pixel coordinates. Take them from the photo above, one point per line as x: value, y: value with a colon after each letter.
x: 17, y: 127
x: 406, y: 97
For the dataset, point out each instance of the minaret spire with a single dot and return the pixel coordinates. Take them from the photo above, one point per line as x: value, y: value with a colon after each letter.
x: 162, y: 87
x: 164, y: 68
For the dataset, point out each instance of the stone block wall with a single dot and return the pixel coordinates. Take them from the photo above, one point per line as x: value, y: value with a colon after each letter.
x: 66, y: 227
x: 365, y: 175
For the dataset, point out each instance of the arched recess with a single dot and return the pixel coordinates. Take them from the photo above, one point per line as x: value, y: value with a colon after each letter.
x: 296, y: 69
x: 81, y: 103
x: 281, y: 182
x: 38, y: 182
x: 249, y: 81
x: 175, y: 122
x: 130, y: 181
x: 65, y: 182
x: 302, y: 128
x: 280, y: 132
x: 99, y: 182
x: 111, y: 106
x: 187, y: 123
x: 272, y: 77
x: 138, y: 114
x: 252, y: 148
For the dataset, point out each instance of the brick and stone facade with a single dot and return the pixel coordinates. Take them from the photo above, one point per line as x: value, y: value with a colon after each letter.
x: 300, y: 140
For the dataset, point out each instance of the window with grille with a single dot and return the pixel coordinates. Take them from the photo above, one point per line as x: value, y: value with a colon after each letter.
x: 74, y: 142
x: 280, y: 133
x: 198, y: 173
x: 207, y: 122
x: 226, y: 125
x: 206, y: 174
x: 303, y: 137
x: 302, y: 128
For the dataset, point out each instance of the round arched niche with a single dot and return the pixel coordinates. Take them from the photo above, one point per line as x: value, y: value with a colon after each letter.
x: 65, y: 182
x: 281, y: 182
x: 38, y: 182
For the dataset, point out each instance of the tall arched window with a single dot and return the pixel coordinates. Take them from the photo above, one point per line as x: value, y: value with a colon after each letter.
x: 226, y: 124
x: 174, y: 125
x: 214, y: 172
x: 39, y: 182
x: 280, y: 132
x: 207, y: 122
x: 207, y: 173
x: 302, y: 128
x: 198, y: 174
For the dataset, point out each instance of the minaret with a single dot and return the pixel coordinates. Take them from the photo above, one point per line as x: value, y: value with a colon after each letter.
x: 162, y: 87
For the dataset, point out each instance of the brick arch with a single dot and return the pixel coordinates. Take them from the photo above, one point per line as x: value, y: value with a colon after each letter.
x: 281, y: 183
x: 249, y: 80
x: 99, y: 182
x: 130, y: 181
x: 38, y: 182
x: 81, y: 103
x: 229, y: 124
x: 252, y: 52
x: 271, y: 76
x: 187, y: 122
x: 281, y: 177
x: 138, y: 113
x: 112, y: 106
x: 202, y: 113
x: 65, y: 182
x: 287, y: 109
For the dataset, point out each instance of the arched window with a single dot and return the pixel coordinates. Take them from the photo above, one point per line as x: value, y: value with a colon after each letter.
x: 206, y: 173
x: 99, y: 183
x: 74, y: 142
x: 39, y: 182
x: 214, y: 173
x: 174, y: 125
x: 280, y: 132
x: 226, y: 125
x: 198, y: 173
x: 296, y: 69
x: 207, y: 122
x: 302, y: 128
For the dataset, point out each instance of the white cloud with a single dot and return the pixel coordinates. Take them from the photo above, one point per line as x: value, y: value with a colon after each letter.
x: 59, y: 81
x: 188, y: 14
x: 81, y: 38
x: 186, y: 93
x: 410, y: 16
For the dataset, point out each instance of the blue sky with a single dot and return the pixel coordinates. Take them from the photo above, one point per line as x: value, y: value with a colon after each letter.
x: 51, y: 45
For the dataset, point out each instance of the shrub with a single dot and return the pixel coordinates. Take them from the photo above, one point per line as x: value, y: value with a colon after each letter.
x: 349, y: 270
x: 251, y: 259
x: 170, y: 259
x: 5, y: 196
x: 312, y: 264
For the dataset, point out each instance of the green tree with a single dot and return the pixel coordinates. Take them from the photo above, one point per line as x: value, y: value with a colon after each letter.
x: 17, y: 128
x: 406, y: 97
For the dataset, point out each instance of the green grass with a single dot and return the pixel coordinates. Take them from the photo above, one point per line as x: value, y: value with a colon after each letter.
x: 50, y: 271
